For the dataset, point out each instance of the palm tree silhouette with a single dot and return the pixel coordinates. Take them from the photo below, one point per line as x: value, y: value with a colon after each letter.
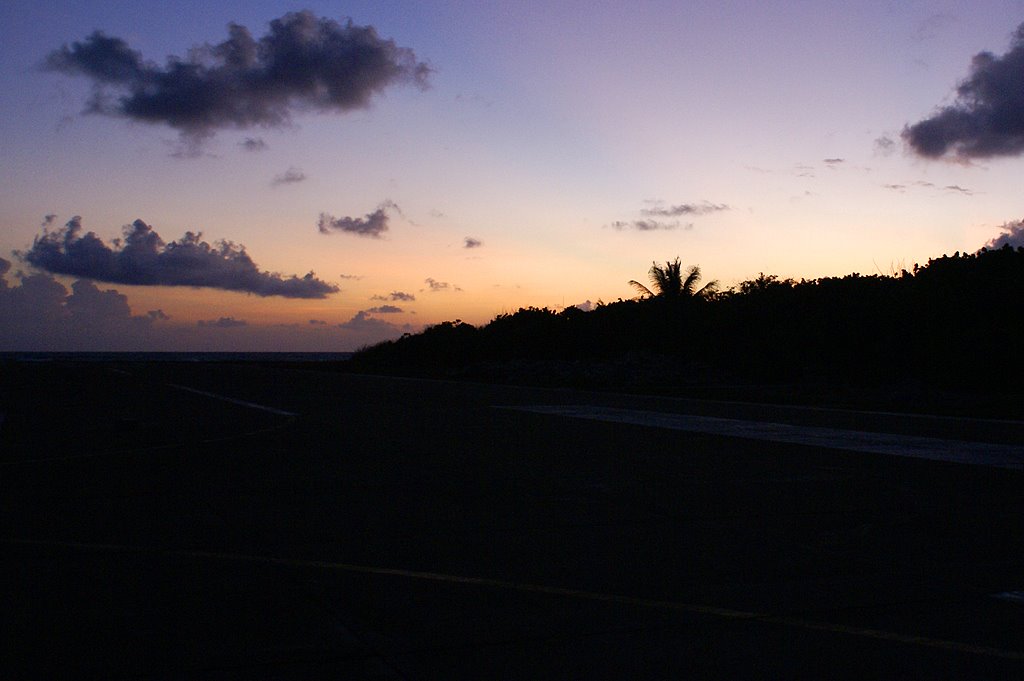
x: 669, y: 283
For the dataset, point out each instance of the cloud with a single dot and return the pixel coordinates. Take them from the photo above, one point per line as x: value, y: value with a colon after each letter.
x: 253, y: 144
x: 932, y: 26
x: 41, y: 314
x: 470, y: 242
x: 1012, y: 235
x: 896, y: 187
x: 987, y: 117
x: 38, y: 313
x: 290, y: 176
x: 302, y: 63
x: 647, y: 225
x: 363, y: 323
x: 884, y: 145
x: 385, y: 309
x: 833, y: 161
x: 396, y: 296
x: 47, y: 221
x: 434, y: 286
x: 222, y: 323
x: 372, y: 225
x: 585, y: 306
x: 703, y: 208
x: 351, y: 276
x: 143, y: 259
x: 317, y: 322
x: 958, y: 189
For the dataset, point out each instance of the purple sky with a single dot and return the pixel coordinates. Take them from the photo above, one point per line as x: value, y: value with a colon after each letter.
x: 459, y: 160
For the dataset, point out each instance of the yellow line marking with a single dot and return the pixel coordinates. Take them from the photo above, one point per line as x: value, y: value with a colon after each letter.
x: 654, y: 604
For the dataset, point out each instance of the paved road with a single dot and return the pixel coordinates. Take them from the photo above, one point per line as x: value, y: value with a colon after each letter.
x: 218, y: 521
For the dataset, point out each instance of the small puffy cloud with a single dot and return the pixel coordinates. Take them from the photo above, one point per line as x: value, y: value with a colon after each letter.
x: 302, y: 63
x: 142, y: 258
x: 355, y: 277
x: 884, y: 145
x: 290, y: 176
x: 222, y: 323
x: 253, y: 144
x: 987, y: 117
x: 470, y: 242
x: 435, y: 286
x: 674, y: 211
x: 395, y: 296
x: 586, y: 306
x: 833, y: 162
x: 365, y: 326
x: 1012, y: 235
x: 372, y: 225
x: 385, y: 309
x: 647, y: 225
x: 48, y: 219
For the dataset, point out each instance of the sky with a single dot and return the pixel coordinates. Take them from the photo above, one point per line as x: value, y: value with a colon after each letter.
x: 261, y: 175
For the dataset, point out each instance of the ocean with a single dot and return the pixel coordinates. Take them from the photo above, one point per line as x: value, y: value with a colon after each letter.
x: 175, y: 356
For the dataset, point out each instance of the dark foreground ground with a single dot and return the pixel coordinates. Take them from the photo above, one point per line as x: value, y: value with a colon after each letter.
x: 399, y: 529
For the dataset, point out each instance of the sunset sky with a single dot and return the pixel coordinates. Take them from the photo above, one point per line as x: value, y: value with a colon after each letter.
x: 441, y: 160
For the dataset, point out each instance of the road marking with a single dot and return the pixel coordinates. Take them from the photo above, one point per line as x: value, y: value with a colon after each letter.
x: 976, y: 453
x: 1012, y: 596
x: 579, y: 594
x: 232, y: 400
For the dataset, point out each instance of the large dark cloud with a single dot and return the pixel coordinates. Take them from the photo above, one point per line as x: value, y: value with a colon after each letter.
x: 1012, y: 235
x: 302, y: 63
x: 142, y: 258
x: 371, y: 225
x: 987, y: 117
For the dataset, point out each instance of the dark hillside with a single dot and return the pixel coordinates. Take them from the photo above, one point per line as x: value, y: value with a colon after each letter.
x: 953, y: 324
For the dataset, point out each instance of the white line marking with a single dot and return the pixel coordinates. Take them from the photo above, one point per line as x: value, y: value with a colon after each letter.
x: 1012, y: 596
x: 232, y: 400
x: 523, y: 587
x: 977, y: 453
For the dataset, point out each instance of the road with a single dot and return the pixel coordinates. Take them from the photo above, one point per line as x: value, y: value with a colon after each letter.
x: 215, y: 521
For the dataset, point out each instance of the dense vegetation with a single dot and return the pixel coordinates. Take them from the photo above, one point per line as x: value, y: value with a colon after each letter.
x: 954, y: 323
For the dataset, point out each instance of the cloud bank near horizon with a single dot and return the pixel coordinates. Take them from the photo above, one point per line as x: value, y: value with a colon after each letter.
x: 302, y: 63
x: 987, y: 117
x: 1012, y: 235
x: 39, y: 313
x: 142, y: 258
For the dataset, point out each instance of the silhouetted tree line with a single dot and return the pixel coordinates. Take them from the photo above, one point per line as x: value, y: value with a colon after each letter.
x: 955, y: 322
